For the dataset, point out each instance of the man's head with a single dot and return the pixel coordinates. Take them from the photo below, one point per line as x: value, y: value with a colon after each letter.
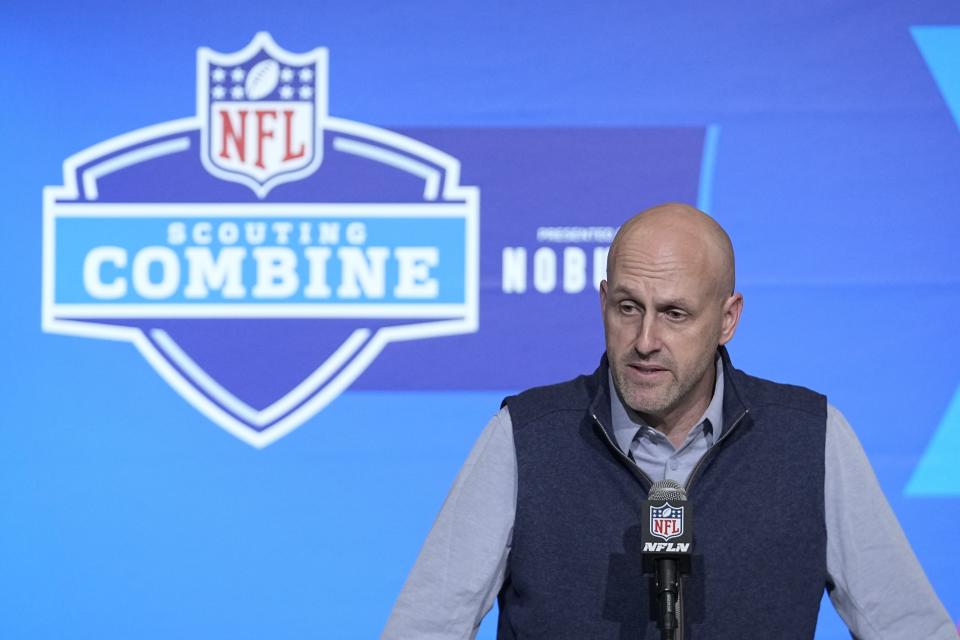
x: 668, y: 302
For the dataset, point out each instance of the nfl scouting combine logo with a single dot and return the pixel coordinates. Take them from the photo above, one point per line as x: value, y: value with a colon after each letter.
x: 261, y: 254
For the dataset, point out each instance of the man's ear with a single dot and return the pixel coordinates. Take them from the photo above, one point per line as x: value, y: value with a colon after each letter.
x: 732, y: 307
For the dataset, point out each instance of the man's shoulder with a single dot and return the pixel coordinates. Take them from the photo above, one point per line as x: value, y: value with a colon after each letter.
x: 756, y: 392
x: 573, y: 395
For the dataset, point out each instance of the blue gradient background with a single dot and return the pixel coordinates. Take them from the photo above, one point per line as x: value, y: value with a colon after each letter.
x: 125, y: 513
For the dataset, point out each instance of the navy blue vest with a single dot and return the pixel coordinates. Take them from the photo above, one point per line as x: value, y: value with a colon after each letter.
x: 759, y: 566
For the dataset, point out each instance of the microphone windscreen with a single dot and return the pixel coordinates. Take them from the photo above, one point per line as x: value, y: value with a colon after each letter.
x: 667, y: 490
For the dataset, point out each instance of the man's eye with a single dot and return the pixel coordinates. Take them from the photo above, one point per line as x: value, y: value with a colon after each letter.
x: 628, y: 308
x: 676, y: 314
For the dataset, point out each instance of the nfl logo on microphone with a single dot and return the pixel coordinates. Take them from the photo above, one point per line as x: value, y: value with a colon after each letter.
x: 666, y: 522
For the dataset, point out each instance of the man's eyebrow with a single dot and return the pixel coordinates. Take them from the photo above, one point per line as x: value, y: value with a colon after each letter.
x: 620, y: 289
x: 680, y: 303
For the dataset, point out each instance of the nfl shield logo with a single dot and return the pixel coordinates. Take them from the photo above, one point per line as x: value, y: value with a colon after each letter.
x: 666, y: 522
x: 264, y: 110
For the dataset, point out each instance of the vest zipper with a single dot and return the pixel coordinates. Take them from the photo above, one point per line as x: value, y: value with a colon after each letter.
x: 624, y: 457
x: 723, y: 437
x: 689, y: 482
x: 638, y: 471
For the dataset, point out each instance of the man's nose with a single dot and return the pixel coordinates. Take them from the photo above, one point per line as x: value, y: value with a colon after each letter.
x: 647, y: 340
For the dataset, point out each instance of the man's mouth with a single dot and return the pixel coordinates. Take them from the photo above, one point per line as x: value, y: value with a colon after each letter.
x: 647, y: 369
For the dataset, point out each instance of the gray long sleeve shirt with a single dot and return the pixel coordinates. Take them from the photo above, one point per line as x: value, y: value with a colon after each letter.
x: 881, y: 592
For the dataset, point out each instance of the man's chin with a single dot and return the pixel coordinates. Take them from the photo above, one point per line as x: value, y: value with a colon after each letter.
x: 644, y: 403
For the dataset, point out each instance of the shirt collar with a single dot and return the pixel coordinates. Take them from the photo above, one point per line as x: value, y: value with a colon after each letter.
x: 625, y: 428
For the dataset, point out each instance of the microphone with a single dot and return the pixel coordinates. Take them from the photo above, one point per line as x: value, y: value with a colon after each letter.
x: 667, y: 537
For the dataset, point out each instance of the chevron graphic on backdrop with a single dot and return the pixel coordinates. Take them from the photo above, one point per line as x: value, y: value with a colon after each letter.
x: 938, y: 473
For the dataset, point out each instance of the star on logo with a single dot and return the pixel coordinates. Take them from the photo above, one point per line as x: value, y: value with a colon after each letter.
x: 236, y: 92
x: 237, y: 75
x: 218, y: 75
x: 218, y: 92
x: 286, y: 92
x: 286, y: 74
x: 306, y: 92
x: 306, y: 74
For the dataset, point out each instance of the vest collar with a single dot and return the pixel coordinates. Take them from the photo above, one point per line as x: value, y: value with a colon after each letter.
x: 734, y: 409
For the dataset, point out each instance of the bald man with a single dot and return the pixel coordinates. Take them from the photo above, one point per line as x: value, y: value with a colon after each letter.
x: 668, y: 304
x: 544, y: 514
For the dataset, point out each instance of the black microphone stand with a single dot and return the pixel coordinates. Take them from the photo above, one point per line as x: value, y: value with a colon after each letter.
x: 668, y: 591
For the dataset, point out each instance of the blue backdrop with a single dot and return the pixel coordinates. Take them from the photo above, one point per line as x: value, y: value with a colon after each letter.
x: 139, y: 498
